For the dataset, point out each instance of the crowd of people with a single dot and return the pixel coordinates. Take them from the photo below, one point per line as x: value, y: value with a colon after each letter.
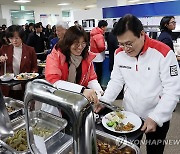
x: 146, y: 68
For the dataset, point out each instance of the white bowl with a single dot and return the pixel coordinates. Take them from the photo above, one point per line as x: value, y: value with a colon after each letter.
x: 7, y: 77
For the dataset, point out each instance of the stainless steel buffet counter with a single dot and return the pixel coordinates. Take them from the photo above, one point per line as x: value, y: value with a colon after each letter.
x: 84, y: 137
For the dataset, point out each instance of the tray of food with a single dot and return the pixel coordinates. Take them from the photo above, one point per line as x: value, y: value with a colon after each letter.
x: 14, y: 107
x: 43, y: 124
x: 106, y: 143
x: 26, y: 76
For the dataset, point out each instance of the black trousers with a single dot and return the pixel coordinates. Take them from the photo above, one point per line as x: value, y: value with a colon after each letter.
x: 155, y: 141
x: 98, y: 69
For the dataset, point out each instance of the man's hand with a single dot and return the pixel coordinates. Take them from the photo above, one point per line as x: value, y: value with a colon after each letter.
x: 149, y: 126
x: 91, y: 95
x: 98, y: 107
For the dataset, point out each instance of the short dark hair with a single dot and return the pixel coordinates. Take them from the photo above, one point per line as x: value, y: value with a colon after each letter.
x: 37, y: 25
x: 102, y: 23
x: 72, y: 34
x: 128, y: 22
x: 31, y: 24
x: 165, y: 20
x: 15, y: 28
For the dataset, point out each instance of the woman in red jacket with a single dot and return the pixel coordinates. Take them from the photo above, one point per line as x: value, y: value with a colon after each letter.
x: 70, y: 67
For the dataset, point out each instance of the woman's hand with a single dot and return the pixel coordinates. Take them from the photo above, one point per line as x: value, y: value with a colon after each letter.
x: 91, y: 95
x: 3, y: 59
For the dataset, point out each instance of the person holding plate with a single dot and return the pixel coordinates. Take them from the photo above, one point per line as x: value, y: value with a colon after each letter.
x: 69, y: 66
x: 150, y: 72
x: 18, y: 58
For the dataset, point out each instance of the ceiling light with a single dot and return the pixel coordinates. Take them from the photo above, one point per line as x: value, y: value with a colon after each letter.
x: 91, y: 6
x: 63, y: 4
x: 22, y: 1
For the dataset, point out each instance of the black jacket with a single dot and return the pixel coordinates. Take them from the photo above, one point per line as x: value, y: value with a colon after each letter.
x: 38, y: 43
x: 112, y: 44
x: 166, y: 38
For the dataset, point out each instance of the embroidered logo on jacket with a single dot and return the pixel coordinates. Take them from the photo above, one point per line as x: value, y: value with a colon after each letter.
x: 128, y: 67
x: 173, y: 70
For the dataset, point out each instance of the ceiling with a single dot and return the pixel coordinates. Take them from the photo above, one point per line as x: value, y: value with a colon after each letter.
x: 73, y: 4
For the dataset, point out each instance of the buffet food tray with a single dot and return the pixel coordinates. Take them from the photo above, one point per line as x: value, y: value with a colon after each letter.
x: 122, y: 144
x: 42, y: 120
x: 14, y: 107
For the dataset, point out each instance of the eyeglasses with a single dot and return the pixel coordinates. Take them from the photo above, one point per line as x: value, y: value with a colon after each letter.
x: 127, y: 45
x: 77, y: 45
x: 172, y: 22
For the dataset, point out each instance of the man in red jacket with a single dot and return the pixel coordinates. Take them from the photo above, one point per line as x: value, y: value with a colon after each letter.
x: 97, y: 45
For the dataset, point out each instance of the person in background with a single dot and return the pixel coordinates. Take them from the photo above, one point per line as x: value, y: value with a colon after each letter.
x: 69, y: 66
x: 112, y: 44
x: 151, y: 75
x: 53, y: 34
x: 48, y: 31
x: 76, y: 23
x: 28, y: 29
x: 37, y: 40
x: 97, y: 45
x: 61, y: 28
x: 167, y: 24
x: 4, y: 27
x: 19, y: 58
x: 3, y: 39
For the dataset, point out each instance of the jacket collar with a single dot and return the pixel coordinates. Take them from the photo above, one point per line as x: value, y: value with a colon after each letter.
x: 146, y: 44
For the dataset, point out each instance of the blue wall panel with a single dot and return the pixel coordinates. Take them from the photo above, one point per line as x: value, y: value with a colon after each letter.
x: 144, y: 10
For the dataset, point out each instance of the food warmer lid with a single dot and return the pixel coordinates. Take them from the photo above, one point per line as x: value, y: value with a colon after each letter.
x: 5, y: 124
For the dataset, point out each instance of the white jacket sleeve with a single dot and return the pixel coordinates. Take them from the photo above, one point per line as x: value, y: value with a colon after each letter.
x: 60, y: 84
x: 115, y: 84
x: 93, y: 84
x: 170, y: 78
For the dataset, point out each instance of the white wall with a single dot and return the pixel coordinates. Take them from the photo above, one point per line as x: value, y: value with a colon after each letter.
x: 95, y: 13
x: 37, y: 11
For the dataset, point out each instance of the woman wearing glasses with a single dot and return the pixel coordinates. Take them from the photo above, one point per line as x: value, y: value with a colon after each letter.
x: 70, y: 67
x: 19, y: 58
x: 167, y: 24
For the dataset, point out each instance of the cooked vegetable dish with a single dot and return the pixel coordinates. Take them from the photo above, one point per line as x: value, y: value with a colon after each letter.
x: 19, y: 140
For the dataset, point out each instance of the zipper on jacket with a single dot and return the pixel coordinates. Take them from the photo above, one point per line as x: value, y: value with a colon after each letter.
x: 136, y: 67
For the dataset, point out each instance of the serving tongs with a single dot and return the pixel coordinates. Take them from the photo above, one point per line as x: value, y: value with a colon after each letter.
x: 110, y: 106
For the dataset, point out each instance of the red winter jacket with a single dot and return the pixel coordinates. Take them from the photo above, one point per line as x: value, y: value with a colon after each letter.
x: 57, y: 68
x: 97, y: 42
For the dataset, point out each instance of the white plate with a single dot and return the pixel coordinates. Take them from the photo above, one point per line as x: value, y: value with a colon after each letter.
x: 7, y: 78
x: 129, y: 117
x: 26, y: 74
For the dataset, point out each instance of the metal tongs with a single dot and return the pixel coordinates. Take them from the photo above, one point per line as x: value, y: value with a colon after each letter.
x: 110, y: 106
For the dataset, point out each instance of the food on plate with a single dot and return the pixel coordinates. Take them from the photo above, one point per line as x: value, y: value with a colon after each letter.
x: 19, y: 140
x: 115, y: 121
x: 42, y: 64
x: 122, y: 127
x: 10, y: 109
x: 26, y: 76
